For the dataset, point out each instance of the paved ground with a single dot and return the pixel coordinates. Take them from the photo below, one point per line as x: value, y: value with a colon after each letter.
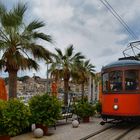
x: 66, y: 131
x: 133, y: 135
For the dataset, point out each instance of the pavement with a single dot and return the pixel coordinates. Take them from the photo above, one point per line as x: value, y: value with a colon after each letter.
x: 65, y: 131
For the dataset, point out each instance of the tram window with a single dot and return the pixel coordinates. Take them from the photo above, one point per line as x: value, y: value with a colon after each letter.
x: 131, y: 80
x: 115, y: 78
x: 105, y: 82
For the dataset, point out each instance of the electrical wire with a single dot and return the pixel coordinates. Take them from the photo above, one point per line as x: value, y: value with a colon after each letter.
x: 126, y: 25
x: 118, y: 17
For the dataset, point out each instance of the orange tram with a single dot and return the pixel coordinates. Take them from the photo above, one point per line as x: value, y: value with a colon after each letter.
x: 121, y: 90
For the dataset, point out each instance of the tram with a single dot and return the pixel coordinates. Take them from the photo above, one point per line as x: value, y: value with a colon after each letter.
x: 121, y: 90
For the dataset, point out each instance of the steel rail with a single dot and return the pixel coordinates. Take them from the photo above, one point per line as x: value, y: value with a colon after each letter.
x: 95, y: 133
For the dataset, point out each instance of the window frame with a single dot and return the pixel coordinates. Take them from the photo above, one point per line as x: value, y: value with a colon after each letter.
x: 103, y: 81
x: 121, y: 81
x: 131, y: 90
x: 123, y: 69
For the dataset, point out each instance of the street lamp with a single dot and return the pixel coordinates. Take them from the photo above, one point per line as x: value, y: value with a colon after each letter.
x: 47, y: 77
x: 48, y: 62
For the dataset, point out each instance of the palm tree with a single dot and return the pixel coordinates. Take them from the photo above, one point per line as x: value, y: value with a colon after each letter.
x: 18, y: 43
x: 83, y: 71
x: 63, y: 67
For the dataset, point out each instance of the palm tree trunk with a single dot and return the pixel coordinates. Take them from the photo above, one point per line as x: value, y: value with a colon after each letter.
x: 82, y: 89
x: 66, y: 88
x: 12, y: 83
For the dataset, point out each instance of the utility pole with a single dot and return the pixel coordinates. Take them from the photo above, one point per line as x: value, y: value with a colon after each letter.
x: 34, y: 83
x: 47, y: 82
x: 89, y: 89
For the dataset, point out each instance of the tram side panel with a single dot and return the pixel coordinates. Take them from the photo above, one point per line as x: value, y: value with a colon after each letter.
x: 121, y: 104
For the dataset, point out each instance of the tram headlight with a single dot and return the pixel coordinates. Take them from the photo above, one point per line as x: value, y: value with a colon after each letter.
x: 115, y: 107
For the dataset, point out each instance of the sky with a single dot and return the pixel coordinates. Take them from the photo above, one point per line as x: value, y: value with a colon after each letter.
x: 87, y: 24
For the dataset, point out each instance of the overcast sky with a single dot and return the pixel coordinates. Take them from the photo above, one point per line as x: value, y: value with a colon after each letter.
x: 87, y: 24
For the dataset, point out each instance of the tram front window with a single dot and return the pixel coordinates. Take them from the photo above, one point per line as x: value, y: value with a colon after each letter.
x: 131, y: 80
x: 105, y: 82
x: 115, y: 81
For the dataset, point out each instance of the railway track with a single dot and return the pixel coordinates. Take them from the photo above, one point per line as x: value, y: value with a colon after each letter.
x: 95, y: 133
x: 110, y: 133
x: 125, y: 133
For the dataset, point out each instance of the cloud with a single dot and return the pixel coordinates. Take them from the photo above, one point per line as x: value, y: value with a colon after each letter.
x: 53, y: 11
x: 88, y: 25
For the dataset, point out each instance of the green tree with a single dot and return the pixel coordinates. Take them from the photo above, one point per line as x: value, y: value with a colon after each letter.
x: 83, y: 71
x: 18, y: 41
x: 63, y: 65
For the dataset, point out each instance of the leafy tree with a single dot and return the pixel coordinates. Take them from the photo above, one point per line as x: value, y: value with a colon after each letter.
x: 63, y: 65
x: 18, y: 43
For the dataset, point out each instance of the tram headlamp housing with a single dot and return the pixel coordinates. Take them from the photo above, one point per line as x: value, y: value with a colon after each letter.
x: 115, y: 107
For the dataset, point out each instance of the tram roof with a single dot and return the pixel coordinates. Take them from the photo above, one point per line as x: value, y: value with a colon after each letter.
x: 122, y: 63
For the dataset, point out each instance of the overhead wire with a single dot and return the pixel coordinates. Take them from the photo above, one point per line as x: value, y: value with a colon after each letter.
x: 126, y: 25
x: 116, y: 15
x: 123, y: 23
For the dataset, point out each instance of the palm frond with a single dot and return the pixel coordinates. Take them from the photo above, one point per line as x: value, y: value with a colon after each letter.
x: 19, y: 61
x: 78, y: 56
x: 43, y: 36
x: 69, y: 51
x: 2, y: 9
x: 38, y: 51
x: 25, y: 37
x: 14, y: 17
x: 25, y: 63
x: 83, y: 70
x: 35, y: 25
x: 59, y: 52
x: 20, y: 9
x: 32, y: 64
x: 10, y: 19
x: 3, y: 45
x: 2, y: 64
x: 86, y: 63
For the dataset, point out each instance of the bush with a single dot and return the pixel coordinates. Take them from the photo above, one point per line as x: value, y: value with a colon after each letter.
x: 84, y: 109
x: 14, y: 117
x: 98, y: 107
x: 45, y: 109
x: 2, y: 107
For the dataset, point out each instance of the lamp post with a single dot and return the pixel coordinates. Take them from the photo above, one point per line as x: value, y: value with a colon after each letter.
x: 34, y: 88
x: 47, y: 76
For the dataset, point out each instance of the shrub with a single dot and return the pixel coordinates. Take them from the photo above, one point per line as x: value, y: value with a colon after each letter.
x: 45, y: 109
x: 98, y: 107
x: 15, y: 117
x: 2, y: 107
x: 84, y: 109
